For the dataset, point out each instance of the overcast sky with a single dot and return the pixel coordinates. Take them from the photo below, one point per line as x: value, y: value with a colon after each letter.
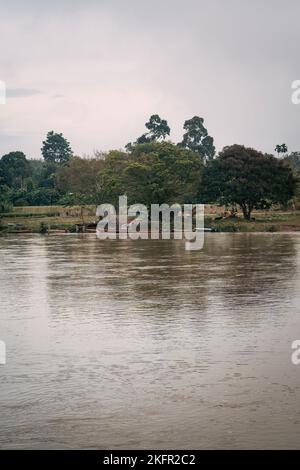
x: 96, y: 70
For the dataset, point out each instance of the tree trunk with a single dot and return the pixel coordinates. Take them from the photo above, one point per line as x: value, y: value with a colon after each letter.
x: 246, y: 211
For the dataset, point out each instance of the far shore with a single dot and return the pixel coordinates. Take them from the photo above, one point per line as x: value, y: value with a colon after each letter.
x: 74, y: 219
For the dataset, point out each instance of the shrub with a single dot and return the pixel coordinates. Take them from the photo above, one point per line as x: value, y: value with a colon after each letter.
x: 43, y: 228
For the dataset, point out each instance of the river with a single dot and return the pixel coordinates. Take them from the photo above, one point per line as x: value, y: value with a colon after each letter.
x: 141, y: 344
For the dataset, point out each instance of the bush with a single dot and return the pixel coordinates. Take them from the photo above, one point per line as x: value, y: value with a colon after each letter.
x: 43, y: 228
x: 5, y: 206
x: 226, y: 227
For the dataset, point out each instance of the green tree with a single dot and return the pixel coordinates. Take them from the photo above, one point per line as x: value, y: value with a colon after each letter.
x: 249, y: 178
x: 294, y: 160
x: 111, y: 181
x: 158, y: 130
x: 143, y: 139
x: 196, y: 138
x: 56, y: 149
x: 161, y: 172
x: 155, y: 172
x: 14, y: 169
x: 80, y: 176
x: 48, y: 179
x: 281, y: 149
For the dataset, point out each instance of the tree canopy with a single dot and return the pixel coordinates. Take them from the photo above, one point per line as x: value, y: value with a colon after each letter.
x: 196, y: 138
x: 158, y: 130
x: 249, y: 178
x: 56, y: 149
x: 156, y: 172
x: 281, y: 148
x: 79, y: 178
x: 294, y: 160
x: 14, y: 168
x: 151, y: 171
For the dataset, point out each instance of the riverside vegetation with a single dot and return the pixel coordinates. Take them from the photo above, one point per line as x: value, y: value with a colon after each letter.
x: 243, y: 189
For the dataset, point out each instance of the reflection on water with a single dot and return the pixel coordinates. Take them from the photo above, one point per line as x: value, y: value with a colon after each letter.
x: 141, y: 344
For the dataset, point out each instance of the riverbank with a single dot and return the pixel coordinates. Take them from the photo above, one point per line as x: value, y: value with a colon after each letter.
x: 57, y: 219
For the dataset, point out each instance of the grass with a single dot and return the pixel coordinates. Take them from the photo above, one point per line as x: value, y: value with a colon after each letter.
x: 35, y: 219
x: 271, y: 221
x: 40, y: 219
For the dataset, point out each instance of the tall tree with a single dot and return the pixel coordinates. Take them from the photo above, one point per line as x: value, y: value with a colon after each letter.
x: 249, y: 178
x: 158, y: 130
x: 196, y: 138
x: 56, y: 149
x: 281, y: 149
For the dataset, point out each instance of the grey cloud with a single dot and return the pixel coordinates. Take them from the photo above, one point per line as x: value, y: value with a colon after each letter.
x: 116, y: 62
x: 21, y: 92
